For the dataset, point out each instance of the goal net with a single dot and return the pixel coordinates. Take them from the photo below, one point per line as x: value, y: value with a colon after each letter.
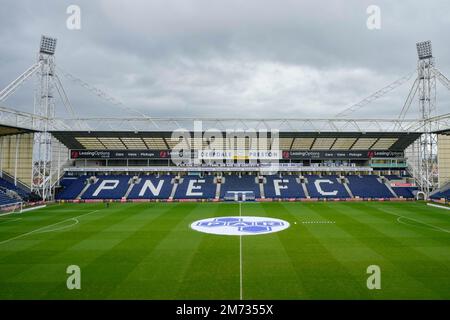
x: 11, y: 208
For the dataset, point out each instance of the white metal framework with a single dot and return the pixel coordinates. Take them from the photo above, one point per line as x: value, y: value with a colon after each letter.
x: 43, y: 120
x: 427, y: 103
x: 44, y: 106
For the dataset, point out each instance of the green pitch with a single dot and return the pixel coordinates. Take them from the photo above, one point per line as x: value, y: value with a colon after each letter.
x: 149, y: 251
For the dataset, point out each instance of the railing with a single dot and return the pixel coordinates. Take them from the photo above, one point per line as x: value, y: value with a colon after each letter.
x: 6, y: 176
x: 58, y: 174
x: 10, y: 208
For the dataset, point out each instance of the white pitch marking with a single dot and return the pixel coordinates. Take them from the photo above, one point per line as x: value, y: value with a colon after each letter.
x: 438, y: 206
x: 8, y: 220
x: 33, y: 208
x: 240, y: 258
x: 42, y: 228
x: 317, y: 222
x: 63, y: 227
x: 427, y: 224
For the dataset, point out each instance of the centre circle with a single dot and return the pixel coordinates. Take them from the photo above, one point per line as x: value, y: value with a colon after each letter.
x: 239, y: 225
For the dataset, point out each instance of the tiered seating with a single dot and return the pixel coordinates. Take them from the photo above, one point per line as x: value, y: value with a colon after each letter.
x: 277, y: 187
x: 5, y: 199
x: 325, y: 187
x: 72, y: 188
x: 243, y: 183
x: 368, y: 187
x: 66, y: 181
x: 108, y: 187
x: 393, y: 177
x: 441, y: 194
x: 152, y: 187
x: 195, y: 187
x: 405, y: 192
x: 8, y: 185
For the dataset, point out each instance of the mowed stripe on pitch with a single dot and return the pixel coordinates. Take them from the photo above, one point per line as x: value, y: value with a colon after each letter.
x: 326, y: 274
x: 52, y: 252
x: 147, y: 250
x: 112, y: 265
x: 402, y: 263
x: 161, y: 270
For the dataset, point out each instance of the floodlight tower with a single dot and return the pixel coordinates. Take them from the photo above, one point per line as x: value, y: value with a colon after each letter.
x: 427, y: 104
x: 44, y: 106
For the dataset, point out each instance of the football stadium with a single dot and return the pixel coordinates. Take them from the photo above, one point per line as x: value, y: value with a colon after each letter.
x: 226, y: 208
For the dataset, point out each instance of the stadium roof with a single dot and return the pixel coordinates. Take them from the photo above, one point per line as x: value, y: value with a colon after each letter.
x: 156, y: 140
x: 8, y: 130
x: 30, y: 121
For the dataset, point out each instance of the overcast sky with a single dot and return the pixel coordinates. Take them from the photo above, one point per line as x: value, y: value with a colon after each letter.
x: 227, y: 58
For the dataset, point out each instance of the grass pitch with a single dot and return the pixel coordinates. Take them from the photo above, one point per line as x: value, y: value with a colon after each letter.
x: 149, y: 251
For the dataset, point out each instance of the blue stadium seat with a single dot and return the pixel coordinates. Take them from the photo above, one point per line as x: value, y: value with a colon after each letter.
x: 368, y: 187
x: 284, y: 187
x: 65, y: 181
x: 236, y: 183
x: 195, y: 187
x: 405, y: 192
x: 325, y: 187
x: 160, y: 187
x: 439, y: 195
x: 152, y: 187
x: 8, y: 185
x: 72, y: 189
x: 5, y: 199
x: 108, y: 187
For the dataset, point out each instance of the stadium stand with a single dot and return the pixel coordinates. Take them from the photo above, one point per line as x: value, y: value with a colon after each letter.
x: 234, y: 183
x: 152, y: 187
x: 282, y: 187
x: 401, y: 191
x: 5, y: 199
x: 325, y: 187
x: 367, y: 186
x: 72, y: 187
x: 23, y: 194
x: 195, y: 187
x: 108, y: 187
x: 442, y: 193
x: 405, y: 192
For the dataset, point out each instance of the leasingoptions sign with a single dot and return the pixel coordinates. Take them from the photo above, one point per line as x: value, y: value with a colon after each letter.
x: 119, y: 154
x: 240, y: 226
x: 361, y: 154
x: 209, y: 155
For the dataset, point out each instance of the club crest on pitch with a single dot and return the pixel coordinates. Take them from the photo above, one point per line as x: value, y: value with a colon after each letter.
x: 239, y: 226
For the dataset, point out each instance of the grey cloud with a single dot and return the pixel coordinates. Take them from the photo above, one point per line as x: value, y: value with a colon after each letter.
x: 229, y: 58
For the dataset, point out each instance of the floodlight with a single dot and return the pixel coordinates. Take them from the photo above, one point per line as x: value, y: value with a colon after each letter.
x: 424, y: 50
x: 48, y: 45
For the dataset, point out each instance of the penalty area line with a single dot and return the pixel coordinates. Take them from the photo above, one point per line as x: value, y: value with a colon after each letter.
x: 43, y: 228
x: 438, y: 206
x: 433, y: 227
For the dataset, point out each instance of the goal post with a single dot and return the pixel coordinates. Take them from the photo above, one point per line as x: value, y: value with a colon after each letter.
x: 11, y: 208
